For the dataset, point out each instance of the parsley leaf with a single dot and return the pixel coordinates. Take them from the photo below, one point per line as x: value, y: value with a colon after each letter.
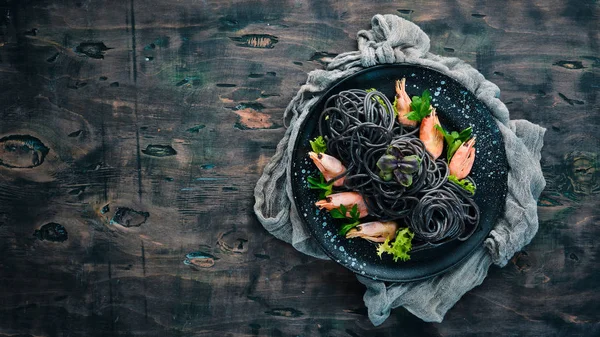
x: 400, y: 247
x: 347, y: 227
x: 466, y: 184
x: 454, y: 139
x: 354, y: 213
x: 320, y: 184
x: 465, y: 134
x: 380, y: 100
x: 318, y: 145
x: 340, y: 213
x: 394, y: 106
x: 420, y: 107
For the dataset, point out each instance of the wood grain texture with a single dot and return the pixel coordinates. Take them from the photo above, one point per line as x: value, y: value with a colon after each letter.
x: 159, y: 117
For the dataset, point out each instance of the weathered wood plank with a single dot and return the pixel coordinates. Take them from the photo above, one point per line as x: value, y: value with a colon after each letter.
x: 159, y: 117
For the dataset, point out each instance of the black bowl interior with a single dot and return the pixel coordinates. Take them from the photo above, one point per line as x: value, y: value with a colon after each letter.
x: 457, y: 108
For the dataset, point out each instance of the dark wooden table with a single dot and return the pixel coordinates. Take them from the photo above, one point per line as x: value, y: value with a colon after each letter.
x: 133, y: 133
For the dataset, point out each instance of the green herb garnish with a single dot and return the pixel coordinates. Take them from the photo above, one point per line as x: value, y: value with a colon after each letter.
x: 380, y: 100
x: 466, y: 184
x: 400, y: 247
x: 395, y: 106
x: 420, y: 107
x: 318, y: 145
x: 347, y: 227
x: 454, y: 139
x: 320, y: 184
x: 340, y: 213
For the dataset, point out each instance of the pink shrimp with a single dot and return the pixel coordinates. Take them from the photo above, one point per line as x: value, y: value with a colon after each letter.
x: 403, y: 103
x: 375, y: 231
x: 348, y: 199
x: 431, y: 136
x: 463, y: 159
x: 330, y: 166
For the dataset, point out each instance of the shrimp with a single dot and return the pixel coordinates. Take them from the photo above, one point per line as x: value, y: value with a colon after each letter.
x: 403, y: 103
x: 330, y: 166
x: 348, y: 199
x: 463, y: 159
x: 432, y: 138
x: 375, y: 231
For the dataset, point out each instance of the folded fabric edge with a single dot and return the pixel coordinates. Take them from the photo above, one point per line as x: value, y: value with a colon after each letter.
x: 434, y: 294
x: 452, y: 67
x: 519, y: 224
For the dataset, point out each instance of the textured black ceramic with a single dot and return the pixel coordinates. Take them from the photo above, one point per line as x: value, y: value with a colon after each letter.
x: 457, y: 109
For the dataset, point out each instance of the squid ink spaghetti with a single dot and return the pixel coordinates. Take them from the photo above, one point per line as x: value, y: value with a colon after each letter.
x: 392, y: 182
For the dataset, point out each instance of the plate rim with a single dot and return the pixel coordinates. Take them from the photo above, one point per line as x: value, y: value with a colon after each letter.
x: 312, y: 231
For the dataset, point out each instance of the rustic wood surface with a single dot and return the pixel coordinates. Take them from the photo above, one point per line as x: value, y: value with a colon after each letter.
x: 133, y: 133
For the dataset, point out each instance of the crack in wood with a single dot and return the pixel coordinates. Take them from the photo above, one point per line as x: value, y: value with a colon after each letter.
x: 569, y: 64
x: 128, y: 217
x: 200, y: 259
x: 77, y: 191
x: 52, y: 58
x: 52, y: 232
x: 75, y: 133
x: 256, y: 40
x: 229, y: 245
x: 159, y: 150
x: 570, y: 100
x: 196, y: 129
x: 284, y: 312
x: 92, y: 49
x: 22, y: 151
x: 76, y: 85
x: 262, y: 256
x: 31, y: 32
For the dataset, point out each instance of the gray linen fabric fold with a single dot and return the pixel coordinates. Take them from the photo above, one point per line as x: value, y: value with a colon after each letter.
x: 394, y: 40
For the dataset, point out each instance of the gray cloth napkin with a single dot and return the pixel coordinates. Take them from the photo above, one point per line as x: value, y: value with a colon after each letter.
x: 394, y: 40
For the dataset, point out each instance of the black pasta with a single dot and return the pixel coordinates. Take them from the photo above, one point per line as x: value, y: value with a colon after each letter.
x: 360, y: 128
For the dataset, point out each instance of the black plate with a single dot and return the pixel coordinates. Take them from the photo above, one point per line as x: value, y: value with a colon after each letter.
x: 457, y: 109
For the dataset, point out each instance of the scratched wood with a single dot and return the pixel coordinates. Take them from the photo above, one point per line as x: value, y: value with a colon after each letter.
x: 132, y: 134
